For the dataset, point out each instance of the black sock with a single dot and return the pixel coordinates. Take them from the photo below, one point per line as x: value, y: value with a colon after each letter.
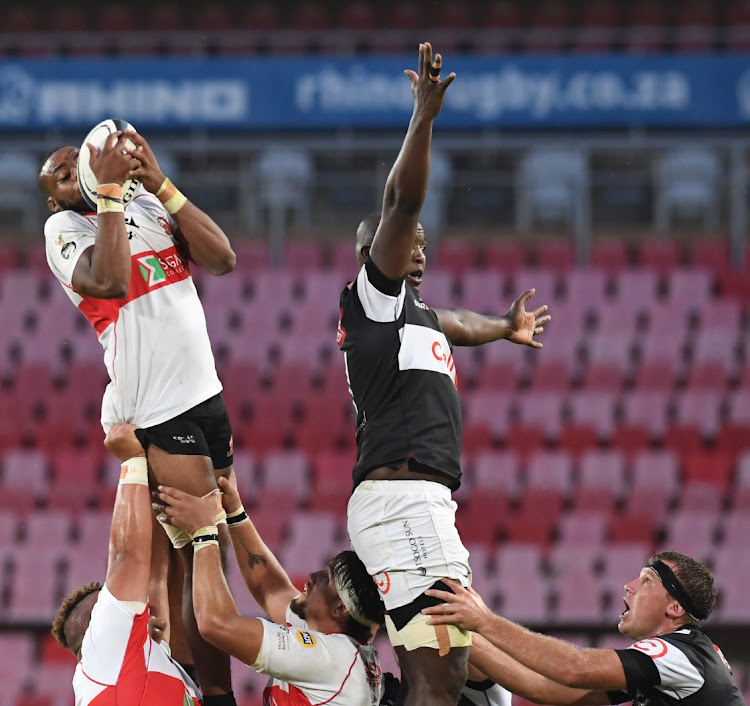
x: 220, y: 700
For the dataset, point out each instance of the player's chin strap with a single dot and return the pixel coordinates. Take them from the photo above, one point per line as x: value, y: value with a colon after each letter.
x: 675, y: 589
x: 348, y: 601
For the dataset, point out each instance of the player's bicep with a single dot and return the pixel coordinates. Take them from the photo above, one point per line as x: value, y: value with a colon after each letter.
x: 452, y: 327
x: 83, y: 278
x: 238, y: 636
x: 127, y: 580
x: 393, y: 243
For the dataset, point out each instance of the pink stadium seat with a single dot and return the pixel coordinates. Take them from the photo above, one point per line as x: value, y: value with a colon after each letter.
x: 689, y: 288
x: 711, y: 253
x: 585, y: 287
x: 75, y: 478
x: 698, y: 411
x: 712, y: 466
x: 741, y: 494
x: 35, y: 581
x: 524, y: 602
x: 506, y: 255
x: 252, y: 255
x: 311, y: 541
x: 659, y: 255
x: 519, y: 559
x: 639, y: 522
x: 303, y: 255
x: 601, y: 482
x: 543, y: 280
x: 504, y: 365
x: 285, y: 473
x: 611, y: 352
x: 482, y: 291
x: 542, y: 410
x: 699, y: 495
x: 622, y: 564
x: 497, y: 472
x: 591, y: 416
x: 735, y: 531
x: 332, y: 481
x: 486, y: 416
x: 457, y: 256
x: 38, y: 527
x: 646, y: 409
x: 18, y: 650
x: 691, y: 532
x: 551, y: 375
x: 437, y: 288
x: 734, y: 608
x: 580, y: 531
x: 579, y: 600
x: 271, y: 423
x: 636, y: 290
x: 482, y: 518
x: 656, y: 472
x: 323, y: 288
x: 53, y: 679
x: 24, y: 480
x: 557, y: 254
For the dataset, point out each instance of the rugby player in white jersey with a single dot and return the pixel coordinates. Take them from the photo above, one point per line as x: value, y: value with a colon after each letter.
x: 129, y: 273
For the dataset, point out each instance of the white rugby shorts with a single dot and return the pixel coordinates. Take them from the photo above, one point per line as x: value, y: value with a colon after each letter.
x: 404, y: 531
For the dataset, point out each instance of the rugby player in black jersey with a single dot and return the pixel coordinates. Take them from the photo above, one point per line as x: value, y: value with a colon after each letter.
x: 401, y: 373
x: 672, y: 661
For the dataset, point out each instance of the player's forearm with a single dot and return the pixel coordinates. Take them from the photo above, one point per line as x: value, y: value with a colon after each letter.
x: 475, y: 329
x: 557, y: 660
x: 407, y: 183
x: 261, y: 571
x: 110, y: 258
x: 524, y: 682
x: 213, y: 603
x: 208, y: 244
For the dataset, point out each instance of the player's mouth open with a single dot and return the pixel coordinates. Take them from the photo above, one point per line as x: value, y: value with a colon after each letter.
x: 416, y: 276
x: 626, y: 611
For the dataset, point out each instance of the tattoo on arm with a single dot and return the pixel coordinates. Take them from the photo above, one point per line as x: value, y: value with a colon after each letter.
x: 253, y: 559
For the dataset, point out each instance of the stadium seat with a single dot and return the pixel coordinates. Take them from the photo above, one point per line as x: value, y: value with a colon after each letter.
x: 712, y: 466
x: 700, y: 495
x: 486, y: 417
x: 622, y: 564
x: 504, y: 365
x: 578, y: 600
x: 647, y: 27
x: 437, y: 290
x: 302, y: 256
x: 646, y: 409
x: 549, y: 30
x: 522, y: 601
x: 689, y: 289
x: 34, y: 593
x: 636, y: 290
x: 601, y: 481
x: 556, y: 254
x: 18, y: 650
x: 696, y: 27
x: 542, y: 410
x: 609, y: 360
x: 591, y: 415
x: 655, y: 472
x: 286, y: 476
x: 741, y: 494
x: 459, y: 257
x: 482, y: 291
x: 585, y: 288
x: 659, y: 254
x: 505, y: 255
x: 599, y: 26
x: 18, y: 194
x: 25, y: 479
x: 697, y: 417
x: 312, y: 539
x: 332, y: 481
x: 687, y: 183
x: 691, y: 532
x: 580, y: 534
x: 638, y: 523
x: 609, y: 254
x: 358, y: 15
x: 712, y: 253
x: 75, y: 478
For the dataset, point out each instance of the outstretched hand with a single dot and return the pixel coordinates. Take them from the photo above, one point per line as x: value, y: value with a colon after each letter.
x: 426, y: 87
x: 188, y: 512
x: 464, y: 607
x: 524, y: 325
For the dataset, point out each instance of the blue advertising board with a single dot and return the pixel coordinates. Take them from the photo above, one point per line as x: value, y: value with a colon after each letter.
x: 320, y: 93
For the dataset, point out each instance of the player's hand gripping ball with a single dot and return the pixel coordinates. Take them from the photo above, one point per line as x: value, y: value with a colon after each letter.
x: 98, y: 136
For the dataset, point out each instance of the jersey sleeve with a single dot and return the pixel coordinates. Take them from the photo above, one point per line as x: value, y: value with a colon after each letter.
x: 148, y: 202
x: 114, y: 640
x: 660, y: 662
x: 382, y: 299
x: 300, y: 657
x: 484, y: 693
x: 67, y: 236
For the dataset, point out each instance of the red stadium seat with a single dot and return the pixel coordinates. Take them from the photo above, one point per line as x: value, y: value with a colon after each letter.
x: 548, y: 32
x: 332, y: 484
x: 585, y: 287
x: 599, y: 24
x: 358, y: 14
x: 660, y: 255
x: 712, y: 466
x: 712, y: 253
x: 646, y: 409
x: 601, y: 483
x: 504, y: 255
x: 213, y: 17
x: 556, y: 254
x: 609, y: 254
x: 457, y: 256
x: 634, y: 526
x: 647, y: 26
x: 303, y: 255
x: 696, y: 27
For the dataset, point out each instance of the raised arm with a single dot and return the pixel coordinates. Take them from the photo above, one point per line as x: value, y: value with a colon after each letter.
x: 407, y: 183
x: 264, y: 577
x: 129, y: 565
x: 561, y: 662
x: 203, y: 240
x: 524, y: 682
x: 216, y: 614
x: 467, y: 328
x: 103, y: 270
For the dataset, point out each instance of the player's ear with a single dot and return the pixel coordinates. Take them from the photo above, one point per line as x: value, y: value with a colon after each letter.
x: 339, y: 610
x: 675, y: 611
x: 53, y: 205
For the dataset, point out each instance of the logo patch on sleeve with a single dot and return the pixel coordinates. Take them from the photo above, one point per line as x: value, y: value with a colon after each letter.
x: 654, y: 647
x: 306, y: 638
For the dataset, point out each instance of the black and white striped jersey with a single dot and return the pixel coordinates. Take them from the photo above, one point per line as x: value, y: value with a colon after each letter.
x: 683, y: 667
x: 401, y: 375
x: 484, y: 693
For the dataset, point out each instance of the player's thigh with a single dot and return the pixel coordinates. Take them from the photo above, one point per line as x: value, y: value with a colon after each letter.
x: 426, y: 670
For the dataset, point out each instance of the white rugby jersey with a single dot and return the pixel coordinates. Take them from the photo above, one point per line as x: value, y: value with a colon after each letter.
x: 156, y: 345
x: 121, y: 664
x: 309, y: 667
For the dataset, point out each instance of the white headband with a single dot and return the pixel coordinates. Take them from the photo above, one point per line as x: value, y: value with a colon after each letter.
x: 348, y: 601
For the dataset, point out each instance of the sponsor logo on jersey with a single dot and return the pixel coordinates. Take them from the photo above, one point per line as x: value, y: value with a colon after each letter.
x: 423, y: 348
x: 164, y: 223
x: 653, y: 647
x: 383, y: 582
x: 151, y: 270
x: 421, y: 305
x: 723, y: 658
x: 67, y: 250
x: 306, y: 638
x: 231, y: 446
x: 189, y: 439
x: 340, y: 335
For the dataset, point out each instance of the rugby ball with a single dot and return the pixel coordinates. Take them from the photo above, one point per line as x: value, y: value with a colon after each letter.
x: 87, y: 182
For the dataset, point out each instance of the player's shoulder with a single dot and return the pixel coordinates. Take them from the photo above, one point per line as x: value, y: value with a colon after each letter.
x: 63, y: 221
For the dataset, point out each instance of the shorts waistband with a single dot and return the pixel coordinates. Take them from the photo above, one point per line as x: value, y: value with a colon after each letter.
x: 399, y: 487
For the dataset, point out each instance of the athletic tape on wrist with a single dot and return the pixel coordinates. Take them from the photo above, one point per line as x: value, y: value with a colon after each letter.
x: 113, y: 191
x: 170, y: 196
x: 205, y: 536
x: 237, y: 518
x: 134, y: 471
x: 107, y: 204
